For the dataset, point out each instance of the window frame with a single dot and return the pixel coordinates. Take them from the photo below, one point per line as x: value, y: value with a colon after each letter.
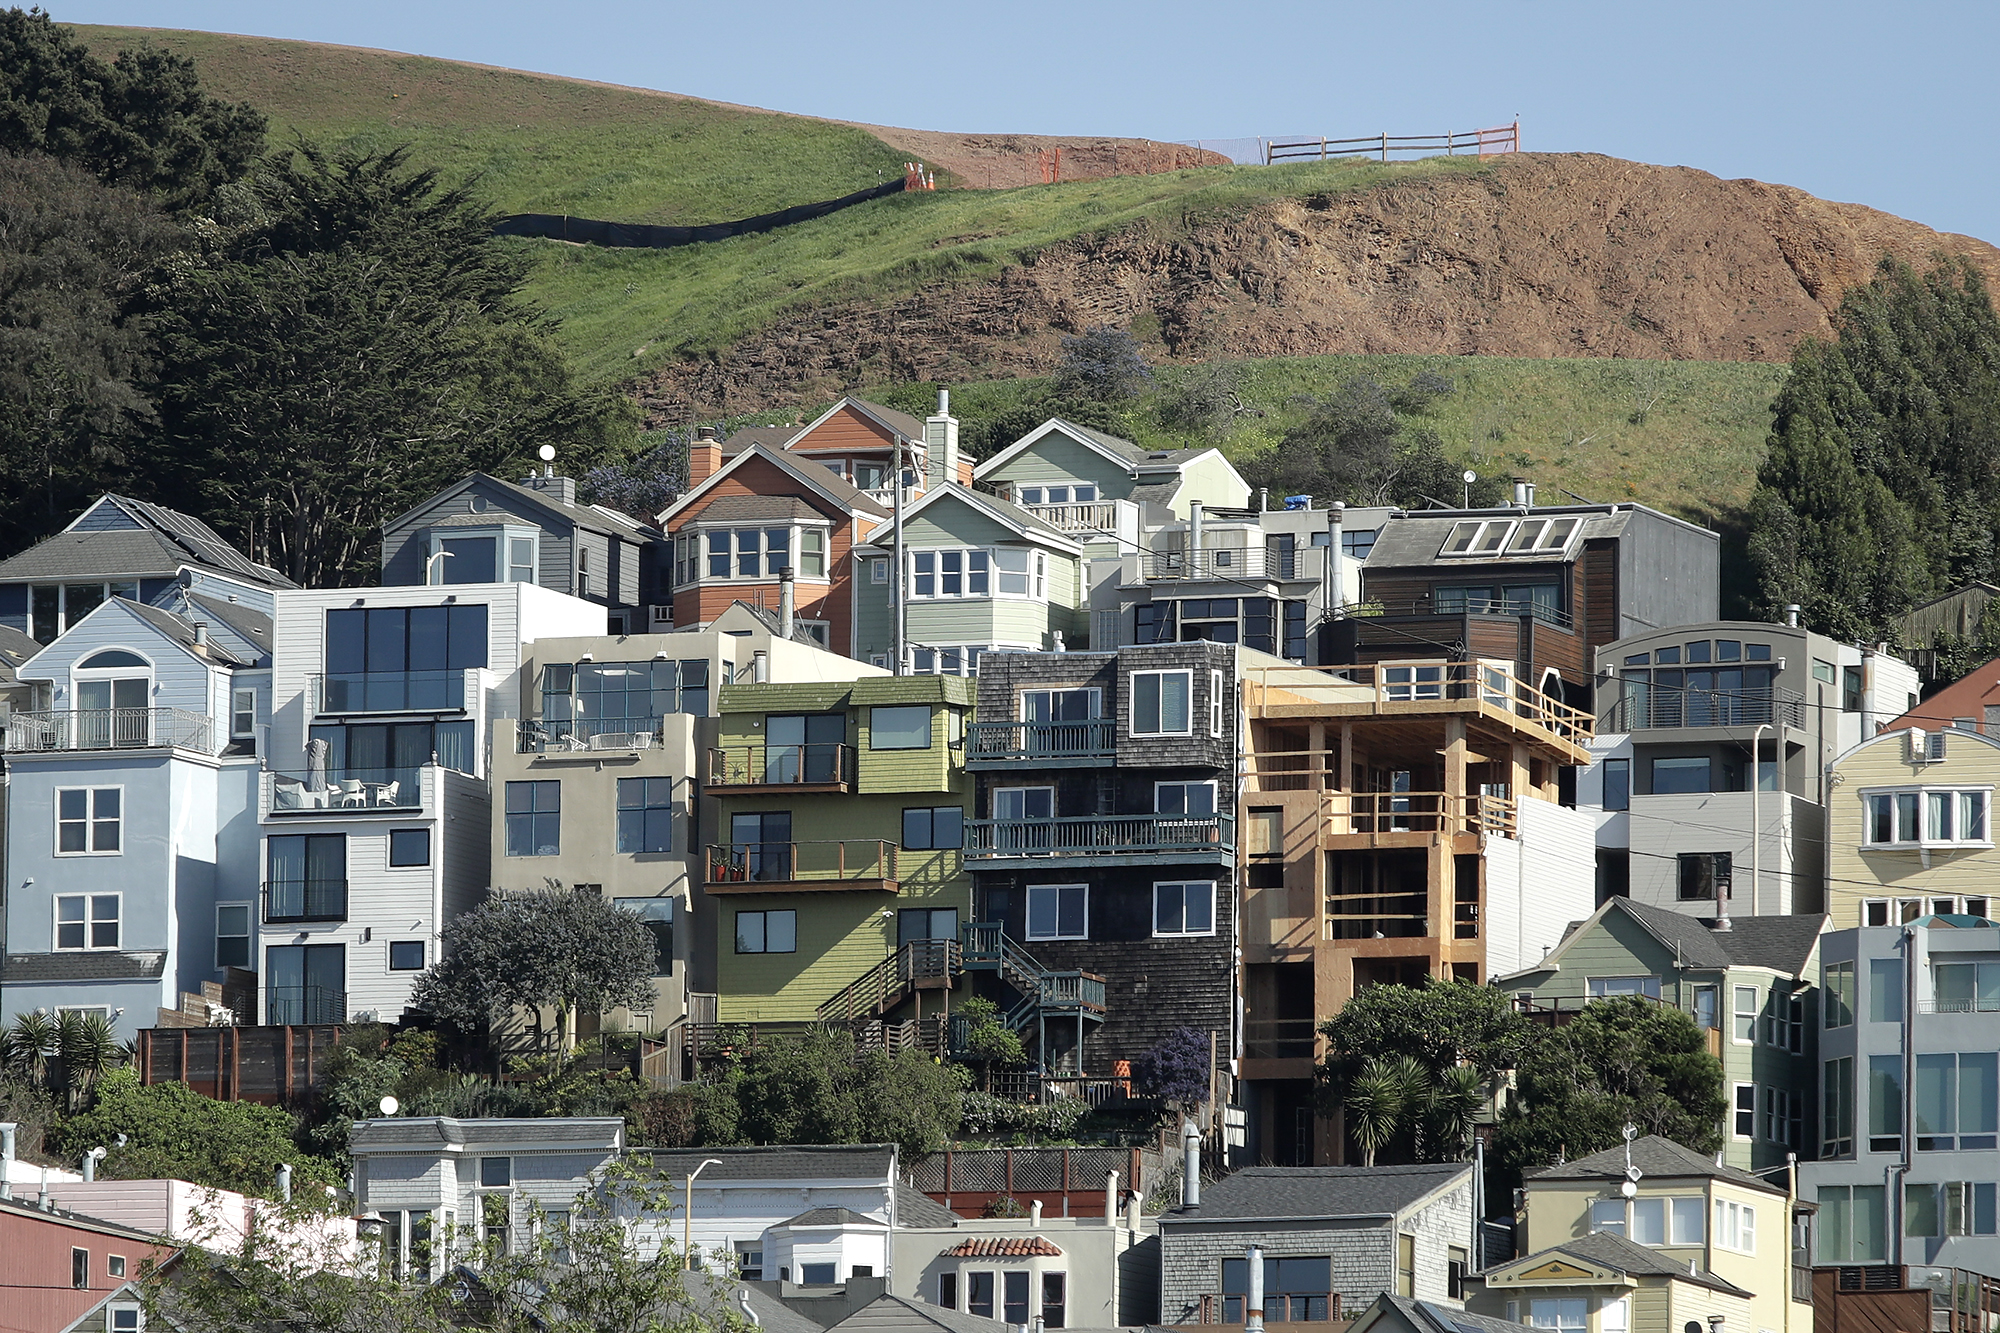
x: 1160, y: 675
x: 1739, y: 1016
x: 930, y: 842
x: 237, y: 694
x: 695, y: 552
x: 91, y: 821
x: 642, y: 811
x: 1925, y: 795
x: 1183, y: 886
x: 874, y: 732
x: 89, y: 898
x: 406, y: 833
x: 1741, y: 1129
x: 249, y: 935
x: 1741, y: 1222
x: 534, y: 813
x: 1185, y: 785
x: 1215, y: 704
x: 423, y: 955
x: 763, y: 915
x: 1028, y: 911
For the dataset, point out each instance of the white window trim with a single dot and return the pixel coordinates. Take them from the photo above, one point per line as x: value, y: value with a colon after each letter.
x: 1184, y: 934
x: 1736, y: 1013
x: 81, y: 675
x: 698, y: 533
x: 1736, y: 1109
x: 1027, y: 928
x: 1132, y: 697
x: 1725, y: 1238
x: 1039, y: 786
x: 89, y: 819
x: 1194, y: 782
x: 1922, y: 793
x: 1095, y: 692
x: 1588, y: 982
x: 502, y: 533
x: 236, y: 693
x: 55, y: 922
x: 1019, y: 488
x: 1215, y: 704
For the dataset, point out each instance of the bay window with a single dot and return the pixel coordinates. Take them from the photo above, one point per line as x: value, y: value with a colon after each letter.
x: 738, y: 554
x: 1927, y: 817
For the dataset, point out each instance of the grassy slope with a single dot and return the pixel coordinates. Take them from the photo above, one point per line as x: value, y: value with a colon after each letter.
x: 554, y: 145
x: 540, y: 145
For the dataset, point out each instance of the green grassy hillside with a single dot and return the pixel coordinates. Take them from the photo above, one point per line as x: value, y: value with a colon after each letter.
x: 538, y: 144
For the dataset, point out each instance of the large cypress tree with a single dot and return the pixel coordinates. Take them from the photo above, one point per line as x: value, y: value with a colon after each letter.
x: 1881, y: 486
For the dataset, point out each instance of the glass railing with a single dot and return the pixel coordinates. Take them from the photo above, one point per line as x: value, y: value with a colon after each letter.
x: 346, y: 790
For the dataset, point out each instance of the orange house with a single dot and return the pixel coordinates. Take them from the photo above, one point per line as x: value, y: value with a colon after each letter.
x: 799, y: 496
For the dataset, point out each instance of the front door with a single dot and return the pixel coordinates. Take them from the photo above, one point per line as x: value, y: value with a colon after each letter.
x: 761, y: 844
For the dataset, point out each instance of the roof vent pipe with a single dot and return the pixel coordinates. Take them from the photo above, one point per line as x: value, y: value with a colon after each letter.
x: 787, y: 605
x: 743, y: 1304
x: 1190, y: 1165
x: 1792, y: 610
x: 1111, y: 1198
x: 1524, y: 492
x: 1035, y: 1213
x: 201, y: 636
x: 1253, y: 1305
x: 1263, y: 499
x: 284, y: 1182
x: 1134, y: 1209
x: 760, y: 666
x: 1194, y: 534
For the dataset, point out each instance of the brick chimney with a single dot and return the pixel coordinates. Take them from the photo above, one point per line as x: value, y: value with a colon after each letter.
x: 704, y: 456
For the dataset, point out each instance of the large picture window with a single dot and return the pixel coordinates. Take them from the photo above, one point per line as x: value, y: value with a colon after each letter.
x: 401, y: 658
x: 1058, y: 911
x: 89, y: 821
x: 87, y: 921
x: 933, y: 828
x: 900, y: 727
x: 767, y: 932
x: 534, y: 819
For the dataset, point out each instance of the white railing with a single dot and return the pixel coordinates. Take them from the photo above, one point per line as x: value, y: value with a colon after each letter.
x: 1089, y: 517
x: 109, y: 729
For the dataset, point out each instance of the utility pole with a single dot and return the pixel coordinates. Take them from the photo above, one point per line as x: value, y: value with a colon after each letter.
x: 902, y: 574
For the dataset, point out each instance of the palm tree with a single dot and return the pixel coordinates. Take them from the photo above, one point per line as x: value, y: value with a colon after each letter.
x: 30, y: 1044
x: 89, y: 1050
x: 1374, y: 1107
x: 1455, y: 1099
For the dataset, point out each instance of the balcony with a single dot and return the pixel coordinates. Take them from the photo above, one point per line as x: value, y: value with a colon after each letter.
x: 1228, y: 563
x: 1402, y: 689
x: 1090, y: 518
x: 109, y: 729
x: 541, y: 737
x: 389, y: 692
x: 355, y: 791
x: 299, y: 1005
x: 831, y: 866
x: 1042, y: 744
x: 751, y: 769
x: 1378, y: 812
x: 295, y: 901
x: 1510, y: 608
x: 1279, y: 1038
x: 1646, y: 709
x: 1100, y: 839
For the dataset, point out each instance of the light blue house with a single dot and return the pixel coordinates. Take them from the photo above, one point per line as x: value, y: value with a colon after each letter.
x: 132, y: 834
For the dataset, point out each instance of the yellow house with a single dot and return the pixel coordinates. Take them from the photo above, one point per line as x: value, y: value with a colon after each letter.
x: 1604, y: 1283
x: 1729, y: 1232
x: 1910, y: 828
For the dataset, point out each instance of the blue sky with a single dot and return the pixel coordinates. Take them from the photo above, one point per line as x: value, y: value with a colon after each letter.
x: 1889, y: 105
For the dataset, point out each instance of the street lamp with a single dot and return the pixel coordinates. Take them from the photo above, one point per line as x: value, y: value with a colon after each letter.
x: 687, y: 1212
x: 430, y: 565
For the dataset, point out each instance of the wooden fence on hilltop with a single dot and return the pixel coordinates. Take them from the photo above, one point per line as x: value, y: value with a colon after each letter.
x: 1485, y: 143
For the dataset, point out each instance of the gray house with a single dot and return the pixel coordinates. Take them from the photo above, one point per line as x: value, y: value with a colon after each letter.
x: 1908, y: 1093
x: 484, y: 530
x: 1327, y: 1232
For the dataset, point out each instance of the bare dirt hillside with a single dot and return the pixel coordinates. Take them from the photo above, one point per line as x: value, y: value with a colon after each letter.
x: 1544, y: 255
x: 1006, y: 161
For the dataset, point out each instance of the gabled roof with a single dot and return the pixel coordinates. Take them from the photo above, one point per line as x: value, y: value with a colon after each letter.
x: 1426, y: 1317
x: 1602, y: 1249
x: 118, y: 537
x: 594, y: 518
x: 888, y: 418
x: 250, y: 624
x: 1005, y: 512
x: 775, y: 436
x: 1122, y: 452
x: 817, y: 477
x: 832, y: 1217
x: 1659, y: 1158
x: 1269, y: 1192
x: 172, y: 628
x: 1780, y: 943
x: 914, y: 1208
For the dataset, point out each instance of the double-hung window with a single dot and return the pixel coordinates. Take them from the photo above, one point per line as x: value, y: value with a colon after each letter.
x: 86, y: 921
x: 1184, y: 908
x: 1013, y: 565
x: 1736, y: 1226
x: 1744, y: 1012
x: 232, y: 935
x: 1184, y: 798
x: 1162, y: 703
x: 89, y: 821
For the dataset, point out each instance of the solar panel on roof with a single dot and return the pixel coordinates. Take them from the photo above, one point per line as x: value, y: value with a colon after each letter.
x: 196, y: 537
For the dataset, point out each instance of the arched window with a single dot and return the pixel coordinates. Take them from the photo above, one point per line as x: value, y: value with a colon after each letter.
x: 112, y: 657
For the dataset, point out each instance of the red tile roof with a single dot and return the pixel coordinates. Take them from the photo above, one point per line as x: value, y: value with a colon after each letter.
x: 1002, y: 1247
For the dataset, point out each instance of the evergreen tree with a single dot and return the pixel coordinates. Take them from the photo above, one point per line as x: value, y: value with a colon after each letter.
x: 352, y: 349
x: 1881, y: 486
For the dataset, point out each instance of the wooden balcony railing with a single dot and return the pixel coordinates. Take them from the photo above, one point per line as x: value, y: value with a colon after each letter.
x: 1418, y: 812
x: 820, y: 765
x: 1093, y: 738
x: 1385, y: 683
x: 1098, y: 835
x: 830, y: 862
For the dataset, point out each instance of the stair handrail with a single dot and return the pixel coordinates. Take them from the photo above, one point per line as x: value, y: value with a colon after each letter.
x: 881, y: 986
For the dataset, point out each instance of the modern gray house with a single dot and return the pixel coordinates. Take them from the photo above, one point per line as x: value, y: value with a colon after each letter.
x: 1327, y: 1232
x: 1909, y: 1163
x: 485, y: 530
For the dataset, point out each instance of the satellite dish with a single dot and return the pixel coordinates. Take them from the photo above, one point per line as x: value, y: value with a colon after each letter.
x: 1628, y: 1189
x: 547, y: 453
x: 1470, y: 476
x: 389, y: 1105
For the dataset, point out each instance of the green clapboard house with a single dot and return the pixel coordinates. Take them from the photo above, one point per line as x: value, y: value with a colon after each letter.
x: 1751, y: 986
x: 838, y: 847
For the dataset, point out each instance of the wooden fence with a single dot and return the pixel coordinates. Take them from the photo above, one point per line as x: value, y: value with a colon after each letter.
x: 1484, y: 143
x: 277, y: 1066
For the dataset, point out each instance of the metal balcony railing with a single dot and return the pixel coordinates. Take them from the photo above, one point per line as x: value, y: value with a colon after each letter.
x: 1647, y: 707
x: 1093, y: 738
x: 1466, y: 606
x: 823, y: 765
x: 293, y: 1005
x: 831, y: 861
x: 532, y: 736
x: 390, y: 692
x: 345, y: 791
x: 109, y: 729
x: 1103, y: 835
x: 305, y: 900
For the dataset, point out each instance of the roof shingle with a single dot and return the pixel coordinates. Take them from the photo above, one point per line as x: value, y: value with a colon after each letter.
x: 1657, y: 1157
x: 1319, y: 1191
